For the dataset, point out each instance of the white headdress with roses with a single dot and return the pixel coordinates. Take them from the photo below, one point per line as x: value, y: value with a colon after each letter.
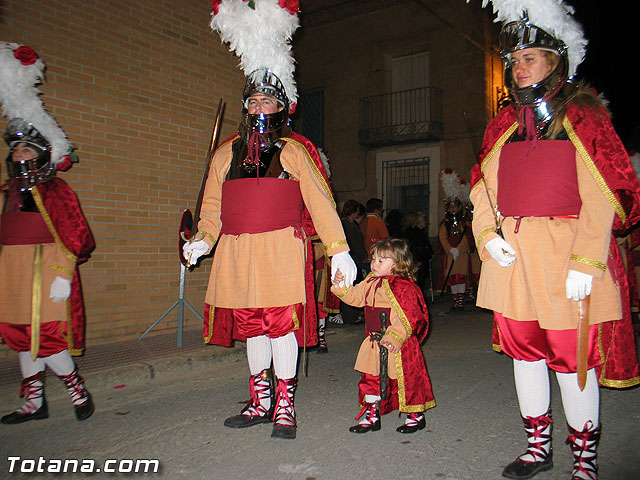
x: 21, y: 71
x: 259, y: 32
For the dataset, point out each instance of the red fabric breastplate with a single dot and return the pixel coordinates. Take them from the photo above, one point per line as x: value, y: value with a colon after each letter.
x: 24, y: 228
x: 257, y: 205
x: 538, y: 181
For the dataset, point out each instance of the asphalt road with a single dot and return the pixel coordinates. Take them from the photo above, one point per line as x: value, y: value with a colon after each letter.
x: 176, y: 419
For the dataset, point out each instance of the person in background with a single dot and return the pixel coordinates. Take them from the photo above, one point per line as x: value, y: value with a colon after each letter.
x: 560, y: 182
x: 372, y: 226
x: 44, y: 236
x: 417, y: 237
x: 353, y: 212
x: 394, y: 222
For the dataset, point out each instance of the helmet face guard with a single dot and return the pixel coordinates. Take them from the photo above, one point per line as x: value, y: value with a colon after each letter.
x: 521, y: 35
x: 35, y: 170
x: 30, y: 172
x: 264, y: 81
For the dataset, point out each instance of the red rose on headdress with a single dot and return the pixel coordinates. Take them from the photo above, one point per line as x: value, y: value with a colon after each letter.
x: 65, y: 164
x: 463, y: 181
x: 214, y: 6
x: 26, y: 55
x: 448, y: 171
x: 292, y: 6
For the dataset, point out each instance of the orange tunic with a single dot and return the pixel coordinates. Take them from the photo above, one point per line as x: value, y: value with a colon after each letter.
x: 266, y: 269
x: 368, y: 359
x: 32, y: 268
x: 461, y: 265
x: 373, y: 228
x: 533, y: 287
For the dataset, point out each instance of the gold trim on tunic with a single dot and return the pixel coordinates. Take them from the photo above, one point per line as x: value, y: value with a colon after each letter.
x: 47, y: 220
x: 591, y: 166
x: 484, y: 233
x: 315, y: 168
x: 333, y: 245
x: 588, y: 261
x: 36, y: 301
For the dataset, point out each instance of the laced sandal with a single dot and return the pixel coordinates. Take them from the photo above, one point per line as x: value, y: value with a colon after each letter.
x: 284, y: 417
x: 259, y: 408
x: 80, y: 396
x: 32, y: 390
x: 584, y: 446
x: 539, y: 455
x: 371, y: 420
x: 322, y: 341
x: 413, y: 423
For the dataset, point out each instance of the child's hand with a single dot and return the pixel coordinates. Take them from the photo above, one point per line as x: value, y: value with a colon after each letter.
x: 337, y: 278
x: 389, y: 346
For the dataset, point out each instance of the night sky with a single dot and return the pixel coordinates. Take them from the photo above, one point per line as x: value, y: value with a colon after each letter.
x: 612, y: 31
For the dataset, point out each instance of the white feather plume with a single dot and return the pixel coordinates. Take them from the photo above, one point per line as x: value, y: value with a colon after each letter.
x: 20, y: 98
x: 450, y: 184
x: 553, y: 16
x: 261, y: 37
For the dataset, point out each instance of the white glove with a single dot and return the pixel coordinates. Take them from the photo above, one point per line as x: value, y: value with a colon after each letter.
x: 578, y: 285
x: 455, y: 253
x: 192, y: 251
x: 501, y: 251
x: 60, y: 289
x: 347, y: 266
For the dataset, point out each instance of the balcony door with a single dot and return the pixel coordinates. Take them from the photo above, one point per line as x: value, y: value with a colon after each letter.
x: 411, y: 102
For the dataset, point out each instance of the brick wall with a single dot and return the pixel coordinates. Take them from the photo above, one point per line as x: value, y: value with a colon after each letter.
x: 135, y: 85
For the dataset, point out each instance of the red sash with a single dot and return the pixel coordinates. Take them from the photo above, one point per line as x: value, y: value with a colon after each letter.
x: 24, y: 228
x: 257, y: 205
x: 540, y: 181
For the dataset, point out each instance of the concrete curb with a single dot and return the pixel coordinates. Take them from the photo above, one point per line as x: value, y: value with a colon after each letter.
x: 134, y: 373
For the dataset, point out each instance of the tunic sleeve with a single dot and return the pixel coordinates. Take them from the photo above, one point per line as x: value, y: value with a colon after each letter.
x: 483, y: 225
x: 210, y: 223
x: 593, y: 236
x: 317, y: 198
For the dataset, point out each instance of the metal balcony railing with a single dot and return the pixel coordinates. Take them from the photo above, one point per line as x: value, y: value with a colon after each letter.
x: 401, y: 117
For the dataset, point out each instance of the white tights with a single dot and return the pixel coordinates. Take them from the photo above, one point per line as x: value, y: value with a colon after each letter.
x: 283, y: 350
x: 532, y: 387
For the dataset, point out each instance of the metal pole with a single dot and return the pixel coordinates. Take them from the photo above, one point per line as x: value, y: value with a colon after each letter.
x: 180, y: 303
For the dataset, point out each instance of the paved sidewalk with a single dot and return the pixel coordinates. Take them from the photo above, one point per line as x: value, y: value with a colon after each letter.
x: 117, y: 365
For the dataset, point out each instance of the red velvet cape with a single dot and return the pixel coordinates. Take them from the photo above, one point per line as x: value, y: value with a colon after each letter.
x: 414, y: 393
x: 61, y: 211
x: 595, y: 139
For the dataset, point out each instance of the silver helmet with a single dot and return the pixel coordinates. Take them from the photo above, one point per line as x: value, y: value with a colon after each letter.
x: 37, y: 169
x: 520, y: 35
x: 266, y: 82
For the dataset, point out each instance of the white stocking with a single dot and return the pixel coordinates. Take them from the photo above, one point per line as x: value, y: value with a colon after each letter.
x: 534, y: 398
x: 258, y: 354
x: 532, y: 387
x: 30, y: 367
x: 580, y: 406
x: 61, y: 363
x: 285, y: 355
x: 35, y: 388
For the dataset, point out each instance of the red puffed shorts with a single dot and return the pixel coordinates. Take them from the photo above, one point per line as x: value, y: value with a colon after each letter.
x: 273, y: 322
x: 18, y: 338
x: 527, y: 341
